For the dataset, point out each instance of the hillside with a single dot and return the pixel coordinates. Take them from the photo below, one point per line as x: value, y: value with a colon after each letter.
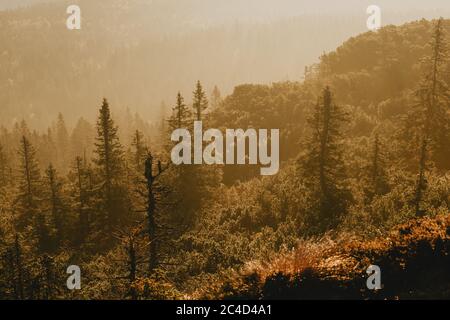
x: 373, y: 75
x: 138, y: 53
x: 364, y: 177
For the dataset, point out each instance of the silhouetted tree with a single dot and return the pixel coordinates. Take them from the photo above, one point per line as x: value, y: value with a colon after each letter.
x: 181, y: 115
x: 56, y: 202
x: 139, y: 151
x: 429, y: 118
x: 200, y: 102
x: 29, y: 186
x: 323, y: 164
x: 152, y: 172
x: 109, y: 161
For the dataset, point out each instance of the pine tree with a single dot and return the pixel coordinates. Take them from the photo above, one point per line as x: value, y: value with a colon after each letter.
x: 29, y: 184
x: 430, y: 115
x: 200, y: 103
x: 429, y: 118
x: 109, y: 161
x: 323, y: 164
x: 181, y: 116
x: 433, y: 93
x: 55, y: 200
x: 188, y: 182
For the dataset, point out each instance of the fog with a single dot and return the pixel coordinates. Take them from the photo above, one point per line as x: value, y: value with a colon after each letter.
x: 140, y: 53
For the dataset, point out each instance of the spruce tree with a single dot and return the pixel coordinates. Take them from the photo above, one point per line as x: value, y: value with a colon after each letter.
x: 200, y: 102
x: 323, y: 165
x: 110, y: 165
x: 187, y: 179
x: 56, y: 202
x: 28, y: 184
x: 181, y: 115
x: 429, y: 120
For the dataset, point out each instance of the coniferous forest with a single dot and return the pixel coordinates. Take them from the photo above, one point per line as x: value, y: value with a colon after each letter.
x: 364, y: 179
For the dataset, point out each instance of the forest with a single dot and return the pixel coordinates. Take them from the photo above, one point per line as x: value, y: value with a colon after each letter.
x: 138, y: 53
x: 364, y: 179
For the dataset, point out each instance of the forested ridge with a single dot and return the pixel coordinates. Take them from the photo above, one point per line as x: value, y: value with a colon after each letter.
x: 138, y: 52
x: 364, y: 180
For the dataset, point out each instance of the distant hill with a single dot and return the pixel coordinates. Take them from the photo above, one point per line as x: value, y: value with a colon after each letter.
x: 373, y: 75
x: 138, y: 53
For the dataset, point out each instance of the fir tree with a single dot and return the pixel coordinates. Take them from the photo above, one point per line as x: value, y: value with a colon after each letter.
x: 200, y: 102
x: 323, y: 164
x: 429, y: 118
x: 55, y: 200
x: 109, y: 161
x: 181, y: 116
x: 28, y: 184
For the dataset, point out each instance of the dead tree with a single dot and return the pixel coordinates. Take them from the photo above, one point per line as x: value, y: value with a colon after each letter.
x: 151, y: 177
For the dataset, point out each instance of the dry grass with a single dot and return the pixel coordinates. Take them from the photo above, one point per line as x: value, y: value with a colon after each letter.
x: 317, y: 254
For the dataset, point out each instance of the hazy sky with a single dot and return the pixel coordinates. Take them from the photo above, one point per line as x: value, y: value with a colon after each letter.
x: 174, y: 43
x: 264, y: 9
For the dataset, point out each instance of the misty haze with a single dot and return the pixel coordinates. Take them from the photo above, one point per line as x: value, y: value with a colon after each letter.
x: 224, y: 150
